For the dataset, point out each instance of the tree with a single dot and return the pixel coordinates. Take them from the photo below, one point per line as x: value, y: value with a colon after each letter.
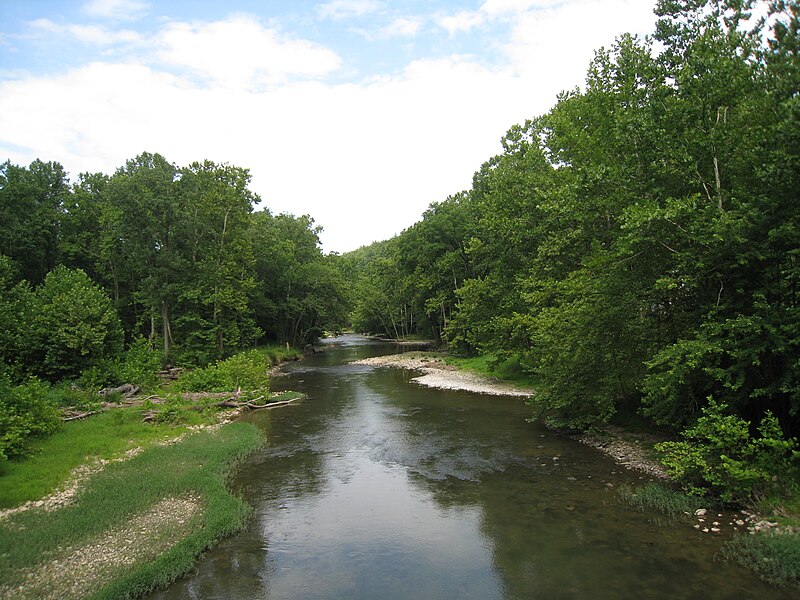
x: 73, y: 326
x: 30, y: 211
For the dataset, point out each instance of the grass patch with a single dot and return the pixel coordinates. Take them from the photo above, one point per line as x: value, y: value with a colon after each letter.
x: 278, y: 354
x: 198, y: 466
x: 775, y: 556
x: 488, y: 365
x: 106, y: 436
x: 660, y: 498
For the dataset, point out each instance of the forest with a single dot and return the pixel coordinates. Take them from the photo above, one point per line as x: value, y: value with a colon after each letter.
x: 636, y: 249
x: 155, y: 265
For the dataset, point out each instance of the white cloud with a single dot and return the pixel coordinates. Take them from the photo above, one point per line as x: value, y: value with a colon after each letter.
x: 120, y: 10
x: 363, y: 158
x: 461, y: 21
x: 402, y: 27
x: 344, y: 9
x: 88, y: 34
x: 240, y: 52
x: 501, y: 7
x: 556, y: 44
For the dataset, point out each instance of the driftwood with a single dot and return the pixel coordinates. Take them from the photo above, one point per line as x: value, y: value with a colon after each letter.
x: 126, y: 389
x: 75, y: 416
x: 228, y: 401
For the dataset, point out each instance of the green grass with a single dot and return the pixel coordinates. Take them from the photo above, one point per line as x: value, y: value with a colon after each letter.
x: 660, y: 498
x: 199, y: 465
x: 278, y: 354
x: 106, y: 435
x: 775, y: 556
x: 488, y: 365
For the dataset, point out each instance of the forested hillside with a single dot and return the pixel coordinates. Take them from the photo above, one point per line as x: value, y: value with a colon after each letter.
x: 636, y: 248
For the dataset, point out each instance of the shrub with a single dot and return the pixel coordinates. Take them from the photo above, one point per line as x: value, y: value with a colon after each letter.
x: 719, y: 455
x: 246, y: 371
x: 139, y: 365
x: 74, y: 325
x: 26, y: 411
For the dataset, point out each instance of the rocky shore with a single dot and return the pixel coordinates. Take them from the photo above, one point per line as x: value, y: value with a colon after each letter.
x: 437, y: 374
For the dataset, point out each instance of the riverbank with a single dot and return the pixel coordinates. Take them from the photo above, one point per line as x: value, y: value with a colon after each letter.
x: 135, y: 525
x: 438, y: 374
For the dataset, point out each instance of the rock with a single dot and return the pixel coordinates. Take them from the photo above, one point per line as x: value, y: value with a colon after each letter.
x: 715, y: 530
x: 700, y: 512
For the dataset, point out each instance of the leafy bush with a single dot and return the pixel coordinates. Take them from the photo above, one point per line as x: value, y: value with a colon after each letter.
x: 26, y: 411
x: 140, y: 364
x: 74, y: 325
x: 719, y: 455
x: 246, y: 371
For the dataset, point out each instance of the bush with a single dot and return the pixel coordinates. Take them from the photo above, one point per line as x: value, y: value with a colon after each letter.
x: 74, y: 325
x: 26, y: 411
x: 139, y: 365
x: 246, y: 371
x: 718, y: 455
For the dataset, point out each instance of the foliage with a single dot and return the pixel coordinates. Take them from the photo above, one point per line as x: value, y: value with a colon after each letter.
x: 774, y: 555
x: 74, y: 325
x: 719, y: 455
x: 26, y: 411
x: 244, y: 371
x: 139, y: 365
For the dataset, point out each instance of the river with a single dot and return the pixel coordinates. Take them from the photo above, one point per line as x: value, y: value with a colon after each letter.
x: 376, y: 488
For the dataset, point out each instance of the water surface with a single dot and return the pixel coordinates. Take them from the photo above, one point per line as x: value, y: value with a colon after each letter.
x: 375, y: 487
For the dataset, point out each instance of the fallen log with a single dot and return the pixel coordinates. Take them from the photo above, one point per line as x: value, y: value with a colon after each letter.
x: 78, y: 416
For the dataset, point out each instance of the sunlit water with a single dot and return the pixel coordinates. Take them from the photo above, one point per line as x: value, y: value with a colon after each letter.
x: 375, y: 487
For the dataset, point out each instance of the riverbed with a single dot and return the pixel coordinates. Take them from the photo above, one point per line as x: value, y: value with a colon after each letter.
x: 376, y: 487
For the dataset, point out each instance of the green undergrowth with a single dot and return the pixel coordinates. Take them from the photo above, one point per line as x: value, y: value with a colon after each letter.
x: 488, y: 365
x: 106, y: 435
x: 198, y: 465
x: 661, y: 498
x: 774, y: 555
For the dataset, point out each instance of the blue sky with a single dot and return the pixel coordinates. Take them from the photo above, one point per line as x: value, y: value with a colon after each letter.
x: 357, y: 112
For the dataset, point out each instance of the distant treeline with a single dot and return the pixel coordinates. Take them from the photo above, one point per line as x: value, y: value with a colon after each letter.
x: 172, y: 255
x: 636, y: 248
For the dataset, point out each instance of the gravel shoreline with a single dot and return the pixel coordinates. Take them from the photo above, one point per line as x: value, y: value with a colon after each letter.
x: 437, y: 374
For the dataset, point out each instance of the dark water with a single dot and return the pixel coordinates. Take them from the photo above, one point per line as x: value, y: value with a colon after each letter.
x: 374, y: 487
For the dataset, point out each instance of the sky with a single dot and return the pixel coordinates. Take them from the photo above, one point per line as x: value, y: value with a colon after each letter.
x: 359, y: 113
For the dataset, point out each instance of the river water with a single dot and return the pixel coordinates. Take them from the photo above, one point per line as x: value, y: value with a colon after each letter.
x: 376, y: 488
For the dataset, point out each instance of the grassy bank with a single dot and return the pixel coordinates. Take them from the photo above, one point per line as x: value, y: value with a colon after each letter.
x: 136, y: 525
x: 104, y: 436
x: 487, y: 365
x: 773, y: 554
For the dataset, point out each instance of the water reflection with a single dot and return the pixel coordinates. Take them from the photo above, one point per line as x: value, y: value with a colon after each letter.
x: 377, y: 488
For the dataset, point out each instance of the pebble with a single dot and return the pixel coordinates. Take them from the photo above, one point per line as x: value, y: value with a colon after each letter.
x: 700, y: 512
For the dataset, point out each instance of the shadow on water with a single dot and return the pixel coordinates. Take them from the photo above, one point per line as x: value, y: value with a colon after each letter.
x: 374, y: 487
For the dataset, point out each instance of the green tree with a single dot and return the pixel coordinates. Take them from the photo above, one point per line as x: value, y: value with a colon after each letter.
x: 30, y: 210
x: 73, y: 325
